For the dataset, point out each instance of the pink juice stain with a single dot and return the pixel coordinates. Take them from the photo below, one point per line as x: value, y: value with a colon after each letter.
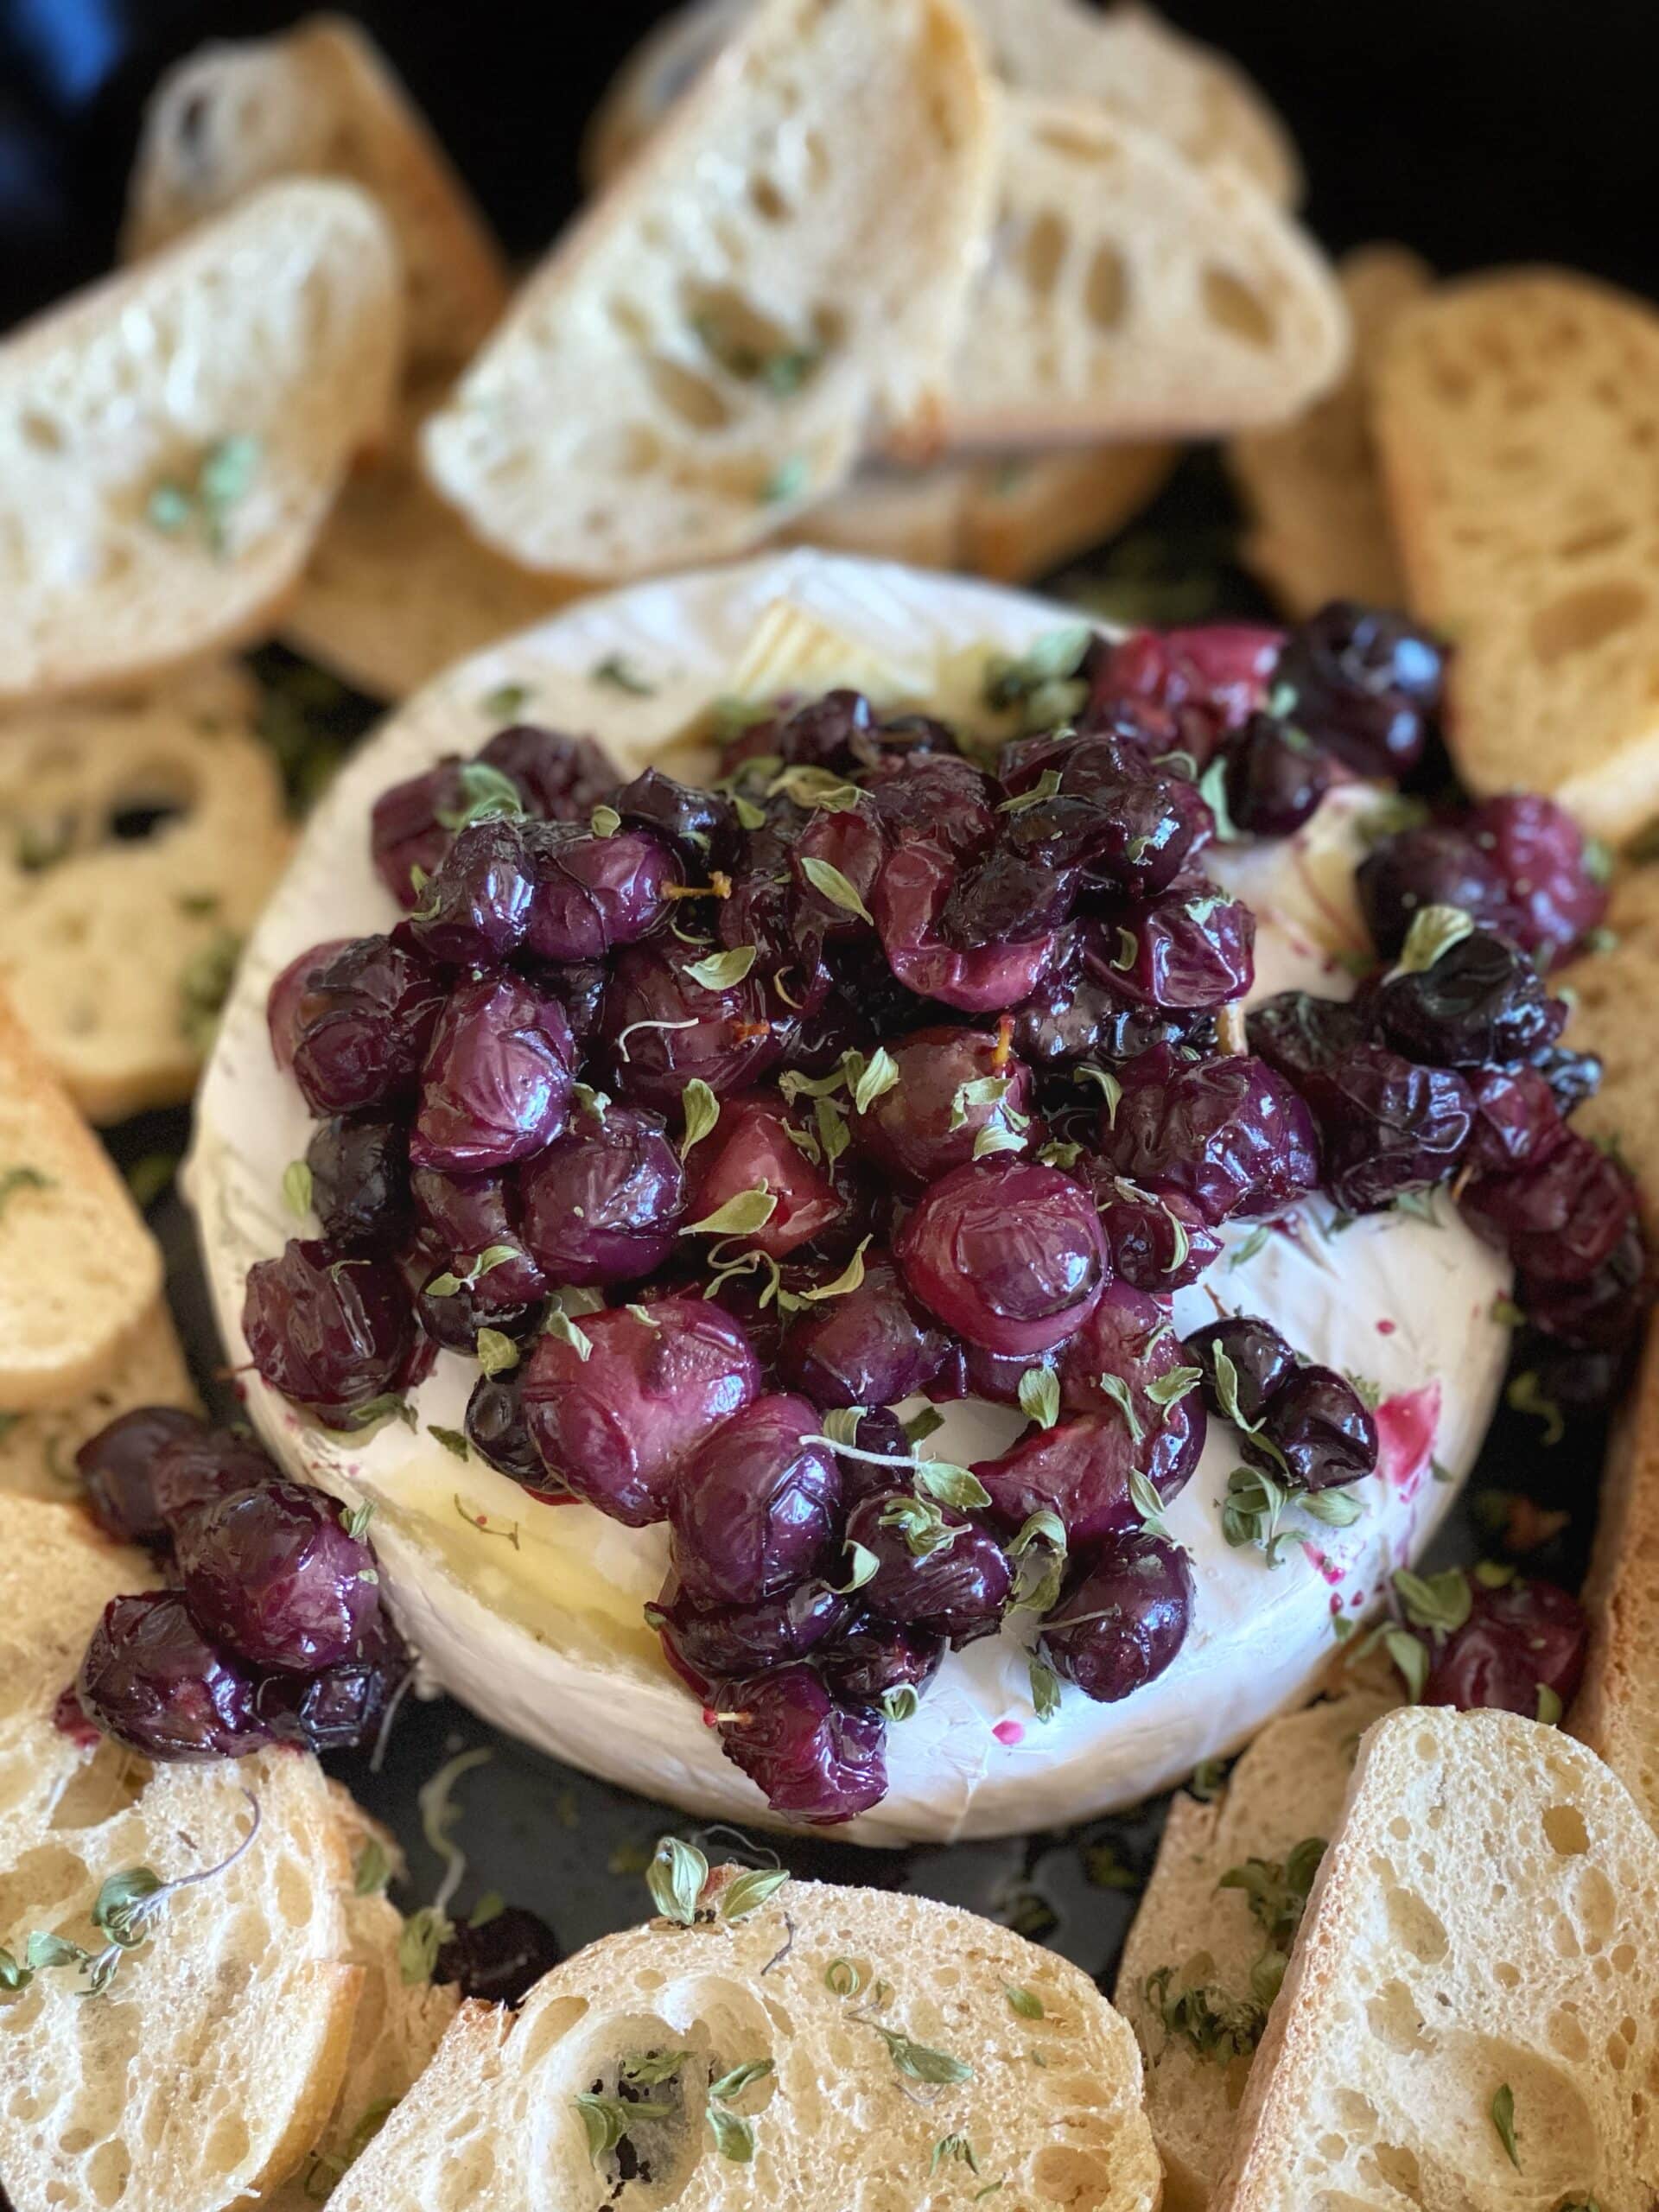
x: 1324, y: 1565
x: 1008, y: 1733
x: 1406, y: 1428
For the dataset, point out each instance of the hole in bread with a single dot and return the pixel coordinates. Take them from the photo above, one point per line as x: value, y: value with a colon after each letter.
x: 106, y: 1783
x: 1618, y: 2052
x: 818, y: 158
x: 1043, y: 252
x: 1398, y: 2167
x: 1566, y: 2036
x: 227, y: 2146
x: 631, y: 320
x: 1506, y: 1976
x: 1584, y: 620
x: 1564, y: 1938
x: 44, y: 432
x: 686, y: 394
x: 1357, y: 2114
x: 1233, y: 307
x: 549, y: 2027
x: 39, y: 1883
x: 1106, y: 294
x: 1396, y: 2021
x: 1076, y: 2178
x: 1595, y: 1907
x: 767, y: 201
x: 1416, y: 1925
x: 1566, y: 1831
x: 1623, y: 1957
x: 108, y: 2172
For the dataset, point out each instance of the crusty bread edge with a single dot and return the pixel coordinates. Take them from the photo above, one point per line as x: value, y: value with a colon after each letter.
x: 1621, y: 1594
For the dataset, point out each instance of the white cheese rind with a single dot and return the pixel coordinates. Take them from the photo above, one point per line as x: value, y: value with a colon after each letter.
x: 537, y: 1626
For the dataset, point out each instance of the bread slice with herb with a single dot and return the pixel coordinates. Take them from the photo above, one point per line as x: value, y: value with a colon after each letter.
x: 828, y: 2048
x: 138, y: 842
x: 699, y: 359
x: 1132, y: 294
x: 1320, y: 526
x: 80, y: 1273
x: 1610, y: 990
x: 1469, y: 2020
x: 1203, y: 1961
x: 1616, y: 1712
x: 37, y: 1450
x: 209, y: 2056
x: 321, y: 100
x: 1519, y: 430
x: 171, y: 440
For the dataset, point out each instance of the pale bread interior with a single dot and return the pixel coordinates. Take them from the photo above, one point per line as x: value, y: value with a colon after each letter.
x: 37, y: 1450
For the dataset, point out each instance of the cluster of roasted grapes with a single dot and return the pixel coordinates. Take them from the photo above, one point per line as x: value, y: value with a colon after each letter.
x: 717, y: 1123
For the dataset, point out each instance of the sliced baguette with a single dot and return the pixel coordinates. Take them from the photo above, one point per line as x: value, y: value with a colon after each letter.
x: 37, y: 1450
x: 837, y: 2121
x: 1319, y: 524
x: 914, y: 515
x: 1615, y: 993
x: 209, y: 2066
x: 79, y: 1273
x: 697, y: 360
x: 1481, y: 1924
x: 1616, y: 1712
x: 1027, y: 513
x: 1287, y: 1788
x: 665, y: 65
x: 1133, y: 294
x: 262, y: 349
x: 113, y: 947
x: 320, y: 100
x: 1519, y: 428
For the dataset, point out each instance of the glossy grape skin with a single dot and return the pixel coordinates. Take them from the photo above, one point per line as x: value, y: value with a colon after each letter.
x: 1572, y: 1077
x: 871, y: 1347
x: 1481, y: 1003
x: 1222, y: 669
x: 749, y: 1149
x: 815, y: 1760
x: 1079, y: 1469
x: 1439, y: 865
x: 466, y: 1216
x: 1320, y: 1430
x: 1360, y: 682
x: 473, y: 912
x: 1556, y: 893
x: 452, y: 1315
x: 1006, y: 1252
x: 876, y: 1657
x: 559, y: 779
x: 341, y: 1707
x: 1386, y: 1125
x: 907, y: 1131
x: 1156, y: 1238
x: 1263, y: 1363
x: 755, y: 1507
x: 496, y: 1429
x: 1604, y: 1311
x: 198, y: 1466
x: 606, y: 1203
x: 701, y: 825
x: 1079, y: 1010
x: 1122, y: 1617
x: 850, y: 841
x: 272, y: 1574
x: 704, y: 1644
x: 1229, y: 1132
x: 1185, y: 954
x: 1516, y: 1118
x: 404, y: 832
x: 1275, y: 779
x: 360, y: 1182
x: 936, y: 799
x: 330, y: 1335
x: 958, y: 1591
x: 971, y: 1371
x: 117, y: 1467
x: 495, y: 1084
x: 909, y: 897
x: 289, y: 993
x: 1559, y: 1220
x: 591, y: 894
x: 499, y: 1961
x: 363, y: 1027
x: 152, y: 1680
x: 617, y: 1426
x: 729, y: 1043
x: 1517, y: 1637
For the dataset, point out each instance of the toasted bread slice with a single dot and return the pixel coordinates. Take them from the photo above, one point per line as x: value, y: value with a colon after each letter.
x: 838, y: 2112
x: 37, y: 1450
x: 114, y: 948
x: 1469, y: 2020
x: 1132, y: 294
x: 1519, y: 430
x: 1319, y: 524
x: 80, y: 1273
x: 913, y: 515
x: 1616, y: 1712
x: 321, y: 100
x: 1613, y: 992
x: 697, y: 360
x: 171, y: 440
x: 208, y: 2066
x: 1027, y: 513
x: 1287, y: 1789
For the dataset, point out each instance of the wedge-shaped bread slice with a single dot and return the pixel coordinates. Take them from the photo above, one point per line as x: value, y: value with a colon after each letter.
x: 37, y: 1450
x: 1616, y: 1712
x: 80, y: 1273
x: 1517, y: 415
x: 1132, y: 294
x: 321, y: 100
x: 207, y: 2067
x: 1469, y: 2023
x: 698, y: 358
x: 399, y: 588
x: 913, y: 515
x: 898, y: 2053
x: 171, y: 440
x: 116, y: 947
x: 1287, y: 1790
x: 1027, y: 513
x: 1616, y: 994
x: 1319, y: 522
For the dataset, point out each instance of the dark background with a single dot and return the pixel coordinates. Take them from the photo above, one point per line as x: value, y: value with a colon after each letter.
x: 1477, y: 131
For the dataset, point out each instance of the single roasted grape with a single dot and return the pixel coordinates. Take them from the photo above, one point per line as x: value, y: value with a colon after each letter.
x: 1481, y: 1003
x: 498, y: 1960
x: 1229, y: 1132
x: 1317, y: 1432
x: 151, y: 1680
x: 1006, y: 1252
x: 1555, y: 882
x: 330, y: 1334
x: 338, y: 1708
x: 751, y: 1149
x: 273, y: 1574
x: 198, y: 1466
x: 1518, y: 1639
x: 289, y: 993
x: 1080, y: 1012
x: 1387, y: 1126
x: 467, y: 1218
x: 954, y: 1088
x: 1603, y: 1311
x: 360, y: 1182
x: 473, y: 912
x: 701, y: 825
x: 362, y: 1027
x: 1559, y: 1220
x: 703, y: 1644
x: 579, y: 986
x: 497, y: 1430
x: 937, y: 797
x: 1361, y: 683
x: 1516, y: 1118
x: 495, y: 1085
x: 451, y: 1307
x: 1127, y: 1358
x: 1275, y: 778
x: 936, y: 1570
x: 1186, y: 952
x: 1122, y: 1617
x: 815, y: 1760
x: 875, y: 1658
x: 909, y: 899
x: 592, y: 893
x: 1261, y: 1362
x: 871, y: 1347
x: 1222, y: 670
x: 849, y: 841
x: 1156, y: 1238
x: 619, y: 1403
x: 755, y: 1507
x: 1300, y: 1036
x: 1438, y: 865
x: 661, y: 1028
x: 560, y: 779
x: 606, y: 1203
x: 407, y: 831
x: 971, y: 1371
x: 1079, y: 1469
x: 1010, y: 893
x: 117, y: 1471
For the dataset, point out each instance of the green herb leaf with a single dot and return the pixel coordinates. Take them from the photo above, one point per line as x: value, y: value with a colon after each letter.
x: 43, y: 1953
x: 13, y: 1179
x: 497, y: 1352
x: 607, y: 2119
x: 1123, y: 1398
x: 873, y: 1078
x: 701, y: 1109
x: 1420, y: 1205
x: 1246, y: 1250
x: 559, y: 1325
x: 675, y: 1878
x: 1024, y: 2003
x: 949, y: 2147
x: 150, y: 1175
x: 1549, y: 1705
x: 1409, y: 1656
x: 604, y: 822
x: 731, y: 2085
x: 830, y: 883
x: 815, y: 787
x: 902, y: 1703
x: 1212, y: 790
x: 1059, y: 1155
x: 296, y: 1188
x: 1207, y: 1779
x: 487, y: 795
x: 842, y: 1979
x: 372, y: 1871
x: 919, y: 2062
x: 952, y: 1486
x: 1216, y: 2026
x: 723, y: 971
x: 1112, y: 1089
x: 204, y: 985
x: 1434, y: 930
x: 734, y: 2136
x: 1526, y: 1395
x: 739, y: 1216
x: 652, y: 2069
x: 1055, y: 658
x: 1045, y: 1688
x: 454, y: 1441
x: 1337, y: 1509
x: 622, y: 676
x: 1169, y: 1389
x: 425, y: 1933
x: 1040, y: 1396
x: 788, y: 481
x: 749, y: 1891
x: 847, y: 1282
x: 355, y: 1519
x: 507, y: 700
x: 1441, y: 1603
x: 863, y: 1566
x: 14, y: 1975
x: 1045, y: 787
x: 1503, y: 2121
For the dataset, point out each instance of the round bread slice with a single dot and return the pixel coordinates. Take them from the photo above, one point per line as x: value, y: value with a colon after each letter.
x: 37, y: 1450
x: 835, y: 2047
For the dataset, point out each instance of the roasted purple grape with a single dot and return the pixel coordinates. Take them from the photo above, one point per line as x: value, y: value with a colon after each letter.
x: 473, y: 912
x: 1229, y: 1132
x: 1006, y: 1252
x: 331, y: 1334
x: 703, y: 1644
x: 1122, y: 1617
x: 755, y: 1506
x: 815, y: 1760
x: 497, y: 1960
x: 495, y: 1086
x: 591, y: 893
x: 752, y: 1148
x: 117, y: 1469
x: 606, y: 1203
x: 151, y: 1680
x: 198, y: 1466
x: 1317, y: 1433
x: 661, y: 1028
x: 952, y: 1089
x: 936, y: 1570
x: 361, y: 1027
x: 360, y: 1182
x: 870, y: 1347
x: 273, y: 1575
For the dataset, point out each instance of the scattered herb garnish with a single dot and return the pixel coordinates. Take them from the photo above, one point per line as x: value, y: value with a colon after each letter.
x: 1526, y: 1395
x: 13, y: 1179
x: 622, y: 676
x: 203, y: 504
x: 1503, y: 2121
x: 1215, y: 2024
x: 676, y: 1878
x: 150, y: 1175
x: 204, y: 985
x: 747, y: 1892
